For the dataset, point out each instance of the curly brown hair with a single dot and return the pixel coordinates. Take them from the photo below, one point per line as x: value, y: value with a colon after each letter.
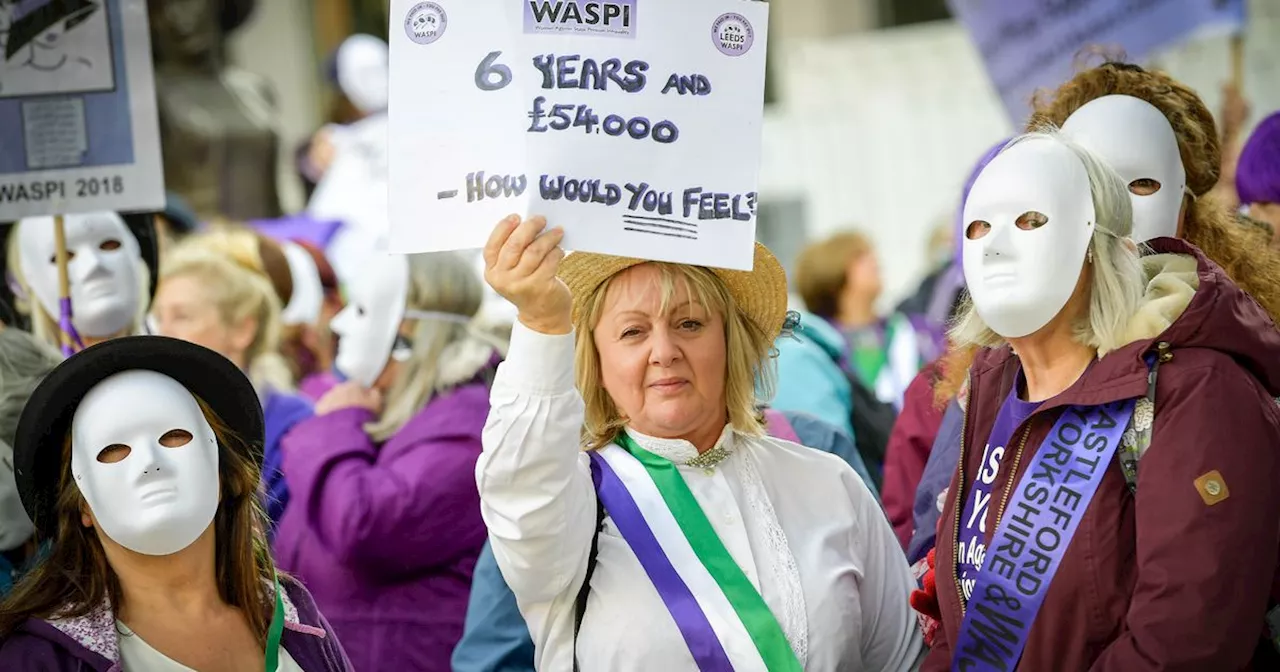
x: 1243, y: 252
x: 1192, y: 122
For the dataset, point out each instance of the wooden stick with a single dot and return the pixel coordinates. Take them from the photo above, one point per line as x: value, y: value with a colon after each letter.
x: 64, y: 277
x: 1237, y: 61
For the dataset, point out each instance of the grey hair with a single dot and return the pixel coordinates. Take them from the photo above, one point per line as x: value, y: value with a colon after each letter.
x: 445, y: 353
x: 1117, y: 283
x: 24, y: 362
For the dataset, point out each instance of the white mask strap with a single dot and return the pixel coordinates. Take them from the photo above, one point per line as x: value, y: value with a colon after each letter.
x: 456, y: 318
x: 403, y: 348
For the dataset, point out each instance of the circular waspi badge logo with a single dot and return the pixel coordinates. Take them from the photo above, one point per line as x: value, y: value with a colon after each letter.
x: 425, y: 23
x: 732, y: 34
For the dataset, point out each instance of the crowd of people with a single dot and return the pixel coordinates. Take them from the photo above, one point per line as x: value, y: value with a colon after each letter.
x: 1061, y: 453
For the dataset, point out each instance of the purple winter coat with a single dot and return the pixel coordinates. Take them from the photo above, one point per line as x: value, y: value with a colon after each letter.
x: 91, y: 644
x: 386, y: 537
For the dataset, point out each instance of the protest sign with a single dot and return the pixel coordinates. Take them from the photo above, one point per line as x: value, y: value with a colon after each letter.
x: 1033, y: 43
x: 633, y: 124
x: 78, y: 124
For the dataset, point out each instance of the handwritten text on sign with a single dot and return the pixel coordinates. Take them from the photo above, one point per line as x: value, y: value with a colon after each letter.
x: 633, y: 124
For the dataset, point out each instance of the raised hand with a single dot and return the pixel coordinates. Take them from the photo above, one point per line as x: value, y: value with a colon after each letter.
x: 520, y: 261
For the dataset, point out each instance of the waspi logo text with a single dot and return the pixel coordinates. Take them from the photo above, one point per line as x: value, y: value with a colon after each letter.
x: 614, y: 18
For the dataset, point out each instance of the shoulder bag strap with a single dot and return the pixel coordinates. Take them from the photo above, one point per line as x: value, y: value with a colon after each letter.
x: 580, y: 603
x: 1137, y: 436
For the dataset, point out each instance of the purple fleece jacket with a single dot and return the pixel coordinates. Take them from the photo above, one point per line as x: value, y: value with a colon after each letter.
x: 91, y: 644
x: 386, y: 537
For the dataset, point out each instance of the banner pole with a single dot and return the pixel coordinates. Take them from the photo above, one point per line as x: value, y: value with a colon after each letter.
x: 1237, y: 60
x: 64, y: 283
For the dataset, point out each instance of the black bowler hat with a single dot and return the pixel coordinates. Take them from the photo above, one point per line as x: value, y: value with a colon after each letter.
x: 142, y: 226
x: 46, y: 419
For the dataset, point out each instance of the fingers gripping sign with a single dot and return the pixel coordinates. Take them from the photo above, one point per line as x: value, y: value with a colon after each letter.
x: 521, y: 259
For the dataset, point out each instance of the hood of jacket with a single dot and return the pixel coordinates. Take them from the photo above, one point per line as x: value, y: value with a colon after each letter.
x: 822, y: 333
x: 1189, y: 302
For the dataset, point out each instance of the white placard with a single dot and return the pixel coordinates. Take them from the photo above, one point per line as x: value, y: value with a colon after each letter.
x: 78, y: 122
x: 633, y: 124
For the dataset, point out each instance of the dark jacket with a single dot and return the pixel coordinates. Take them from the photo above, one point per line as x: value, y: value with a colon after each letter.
x: 931, y: 491
x: 908, y: 450
x: 1159, y: 579
x: 280, y: 412
x: 91, y: 644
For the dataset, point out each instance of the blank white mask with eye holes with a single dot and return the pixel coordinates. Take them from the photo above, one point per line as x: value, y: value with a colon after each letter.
x: 1029, y: 219
x: 146, y: 461
x: 1138, y: 142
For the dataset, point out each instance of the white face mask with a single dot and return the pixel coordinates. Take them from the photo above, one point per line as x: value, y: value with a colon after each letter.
x: 164, y: 493
x: 1137, y: 141
x: 367, y: 327
x: 105, y: 270
x: 1029, y: 219
x: 15, y: 526
x: 308, y: 294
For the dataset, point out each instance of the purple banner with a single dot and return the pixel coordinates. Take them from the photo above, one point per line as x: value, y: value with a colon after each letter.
x: 1032, y: 44
x: 707, y: 651
x: 73, y: 342
x: 601, y: 18
x: 1039, y: 522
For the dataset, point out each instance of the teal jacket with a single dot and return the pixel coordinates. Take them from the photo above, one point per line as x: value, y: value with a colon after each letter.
x: 810, y: 379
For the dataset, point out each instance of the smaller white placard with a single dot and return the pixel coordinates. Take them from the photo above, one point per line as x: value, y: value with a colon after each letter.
x: 79, y: 130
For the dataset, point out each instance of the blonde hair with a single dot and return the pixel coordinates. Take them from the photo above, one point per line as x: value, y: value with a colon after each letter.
x: 1116, y: 281
x: 445, y: 354
x: 747, y: 354
x: 45, y: 326
x: 822, y: 270
x: 238, y: 292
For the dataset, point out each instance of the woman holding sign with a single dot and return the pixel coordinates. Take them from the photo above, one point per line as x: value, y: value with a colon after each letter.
x: 682, y: 537
x: 1045, y: 559
x: 137, y: 459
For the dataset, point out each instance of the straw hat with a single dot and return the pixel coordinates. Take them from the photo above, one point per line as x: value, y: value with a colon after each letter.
x: 760, y: 293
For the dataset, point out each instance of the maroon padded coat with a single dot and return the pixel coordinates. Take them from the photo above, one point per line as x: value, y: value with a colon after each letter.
x: 1160, y: 579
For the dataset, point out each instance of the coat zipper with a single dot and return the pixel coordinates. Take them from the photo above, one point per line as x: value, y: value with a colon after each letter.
x: 959, y: 501
x: 1004, y: 499
x: 1008, y: 486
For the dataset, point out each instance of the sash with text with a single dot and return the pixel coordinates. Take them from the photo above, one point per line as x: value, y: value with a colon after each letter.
x: 1039, y: 522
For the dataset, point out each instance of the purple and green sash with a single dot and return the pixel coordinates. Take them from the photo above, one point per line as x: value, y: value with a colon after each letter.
x: 723, y: 619
x: 1038, y: 524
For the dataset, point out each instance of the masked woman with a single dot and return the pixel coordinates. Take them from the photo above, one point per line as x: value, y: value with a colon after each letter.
x: 683, y: 538
x: 137, y: 459
x: 1161, y: 139
x: 212, y: 296
x: 1046, y: 559
x: 111, y: 265
x: 384, y: 521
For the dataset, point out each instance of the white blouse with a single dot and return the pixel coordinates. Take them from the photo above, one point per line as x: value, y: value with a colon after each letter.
x: 136, y: 655
x: 800, y: 523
